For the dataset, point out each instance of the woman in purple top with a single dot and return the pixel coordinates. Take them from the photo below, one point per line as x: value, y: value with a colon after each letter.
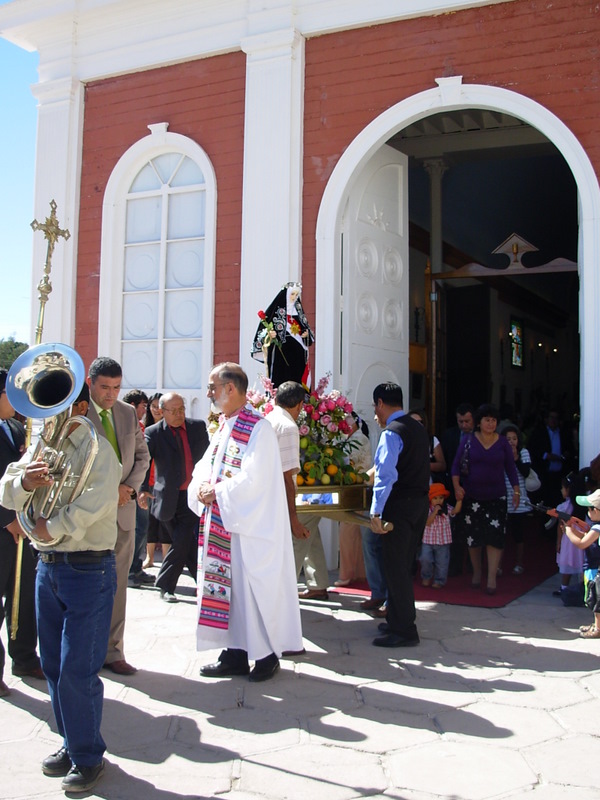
x: 478, y: 471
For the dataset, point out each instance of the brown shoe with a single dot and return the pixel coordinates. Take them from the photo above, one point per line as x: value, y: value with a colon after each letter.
x: 4, y: 690
x: 380, y: 613
x: 32, y: 672
x: 313, y: 594
x: 121, y: 667
x: 369, y: 605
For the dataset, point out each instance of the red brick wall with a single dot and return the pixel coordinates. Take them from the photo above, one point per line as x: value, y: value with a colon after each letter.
x: 190, y: 97
x: 549, y: 52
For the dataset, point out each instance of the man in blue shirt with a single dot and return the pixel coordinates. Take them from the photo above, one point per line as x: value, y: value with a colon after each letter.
x: 399, y: 509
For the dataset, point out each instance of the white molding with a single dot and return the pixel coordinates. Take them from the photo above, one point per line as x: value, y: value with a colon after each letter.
x: 57, y: 177
x: 159, y: 141
x: 497, y: 99
x: 272, y: 177
x: 99, y: 38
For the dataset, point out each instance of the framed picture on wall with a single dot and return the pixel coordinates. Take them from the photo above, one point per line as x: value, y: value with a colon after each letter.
x: 516, y: 343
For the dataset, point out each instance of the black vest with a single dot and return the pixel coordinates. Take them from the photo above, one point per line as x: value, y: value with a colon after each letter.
x: 413, y: 463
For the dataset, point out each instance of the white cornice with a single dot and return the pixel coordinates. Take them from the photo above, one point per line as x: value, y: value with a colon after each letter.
x: 92, y: 39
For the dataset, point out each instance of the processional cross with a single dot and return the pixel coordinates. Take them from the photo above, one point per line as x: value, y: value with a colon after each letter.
x: 52, y: 232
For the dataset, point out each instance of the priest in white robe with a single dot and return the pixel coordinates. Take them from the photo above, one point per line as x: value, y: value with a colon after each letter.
x: 247, y: 598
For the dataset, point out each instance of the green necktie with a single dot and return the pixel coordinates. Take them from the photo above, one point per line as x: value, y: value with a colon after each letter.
x: 110, y: 432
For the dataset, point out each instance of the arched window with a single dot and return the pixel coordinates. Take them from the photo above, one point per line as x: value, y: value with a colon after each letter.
x: 160, y: 206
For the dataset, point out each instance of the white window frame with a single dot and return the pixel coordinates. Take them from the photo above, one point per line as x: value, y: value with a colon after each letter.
x: 112, y: 261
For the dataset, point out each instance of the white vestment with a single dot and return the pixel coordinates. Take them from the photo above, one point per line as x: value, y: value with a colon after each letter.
x: 264, y: 612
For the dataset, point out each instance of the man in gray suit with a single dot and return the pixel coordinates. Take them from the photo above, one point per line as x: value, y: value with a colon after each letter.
x: 117, y: 422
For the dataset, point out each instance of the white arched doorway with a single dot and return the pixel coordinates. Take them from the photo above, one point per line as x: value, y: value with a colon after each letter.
x: 452, y: 94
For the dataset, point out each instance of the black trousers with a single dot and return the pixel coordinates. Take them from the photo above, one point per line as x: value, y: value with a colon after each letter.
x: 183, y: 531
x: 399, y: 551
x: 23, y: 649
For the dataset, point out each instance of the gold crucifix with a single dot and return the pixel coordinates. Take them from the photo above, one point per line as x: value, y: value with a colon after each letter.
x: 52, y: 232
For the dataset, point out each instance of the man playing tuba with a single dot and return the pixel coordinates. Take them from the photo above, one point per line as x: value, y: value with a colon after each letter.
x: 75, y: 587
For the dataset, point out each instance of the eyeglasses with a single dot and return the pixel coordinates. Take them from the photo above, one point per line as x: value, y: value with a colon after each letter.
x: 176, y: 410
x: 212, y: 386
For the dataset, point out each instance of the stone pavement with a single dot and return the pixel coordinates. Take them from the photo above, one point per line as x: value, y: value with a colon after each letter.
x: 500, y: 703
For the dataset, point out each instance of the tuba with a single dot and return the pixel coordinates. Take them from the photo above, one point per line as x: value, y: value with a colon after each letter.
x: 43, y: 383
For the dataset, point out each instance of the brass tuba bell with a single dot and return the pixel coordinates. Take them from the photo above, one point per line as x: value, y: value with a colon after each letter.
x: 43, y: 383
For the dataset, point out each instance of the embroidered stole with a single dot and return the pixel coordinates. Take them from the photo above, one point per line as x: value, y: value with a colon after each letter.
x: 216, y: 588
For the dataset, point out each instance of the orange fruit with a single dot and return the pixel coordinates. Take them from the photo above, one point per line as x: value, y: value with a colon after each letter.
x: 310, y: 481
x: 299, y: 480
x: 308, y: 465
x: 332, y: 469
x: 352, y: 476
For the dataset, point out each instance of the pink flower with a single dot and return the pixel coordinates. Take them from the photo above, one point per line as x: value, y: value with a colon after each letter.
x: 348, y: 408
x: 344, y: 427
x: 341, y: 401
x: 330, y: 405
x: 325, y: 420
x: 322, y: 407
x: 267, y: 408
x: 332, y: 427
x: 315, y: 415
x: 304, y: 430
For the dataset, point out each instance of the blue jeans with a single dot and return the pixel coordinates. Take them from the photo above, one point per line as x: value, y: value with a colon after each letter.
x: 435, y: 559
x: 373, y: 558
x: 74, y: 606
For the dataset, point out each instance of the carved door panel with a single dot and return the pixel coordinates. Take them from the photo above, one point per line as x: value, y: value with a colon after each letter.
x: 374, y: 325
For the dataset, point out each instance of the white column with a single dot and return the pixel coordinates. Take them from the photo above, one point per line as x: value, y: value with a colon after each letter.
x: 271, y: 206
x: 58, y: 167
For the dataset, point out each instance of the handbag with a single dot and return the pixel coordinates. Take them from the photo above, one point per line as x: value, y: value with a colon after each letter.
x: 532, y: 481
x: 465, y: 458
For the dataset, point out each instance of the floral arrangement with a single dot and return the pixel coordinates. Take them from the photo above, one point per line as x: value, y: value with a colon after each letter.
x: 325, y: 449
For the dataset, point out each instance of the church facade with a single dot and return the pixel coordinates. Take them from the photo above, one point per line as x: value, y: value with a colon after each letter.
x: 202, y: 154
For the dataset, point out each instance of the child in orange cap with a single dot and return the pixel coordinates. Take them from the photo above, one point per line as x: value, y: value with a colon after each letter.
x: 437, y: 537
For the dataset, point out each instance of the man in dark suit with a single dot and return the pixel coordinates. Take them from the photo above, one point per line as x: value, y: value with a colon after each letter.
x: 22, y: 649
x: 550, y: 456
x: 117, y: 422
x: 451, y: 438
x: 176, y: 444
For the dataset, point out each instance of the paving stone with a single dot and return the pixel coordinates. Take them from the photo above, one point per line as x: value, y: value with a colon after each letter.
x: 333, y: 772
x: 495, y: 725
x: 571, y: 761
x: 460, y: 770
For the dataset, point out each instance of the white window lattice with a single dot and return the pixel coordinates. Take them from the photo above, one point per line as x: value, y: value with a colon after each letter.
x: 164, y: 275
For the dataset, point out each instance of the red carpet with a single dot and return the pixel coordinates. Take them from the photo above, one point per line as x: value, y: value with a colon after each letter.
x: 540, y: 564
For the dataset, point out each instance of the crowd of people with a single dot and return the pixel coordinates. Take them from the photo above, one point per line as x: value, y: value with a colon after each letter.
x: 225, y: 509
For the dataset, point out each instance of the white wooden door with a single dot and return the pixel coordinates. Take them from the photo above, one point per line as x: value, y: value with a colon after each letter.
x: 374, y: 309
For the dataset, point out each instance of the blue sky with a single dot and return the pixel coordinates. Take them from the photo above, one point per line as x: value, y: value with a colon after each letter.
x: 18, y: 71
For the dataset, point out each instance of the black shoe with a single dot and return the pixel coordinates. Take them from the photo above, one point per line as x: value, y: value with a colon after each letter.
x: 58, y: 764
x: 144, y: 577
x: 221, y: 669
x: 82, y: 779
x: 133, y: 582
x: 265, y: 668
x: 383, y: 627
x: 395, y: 640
